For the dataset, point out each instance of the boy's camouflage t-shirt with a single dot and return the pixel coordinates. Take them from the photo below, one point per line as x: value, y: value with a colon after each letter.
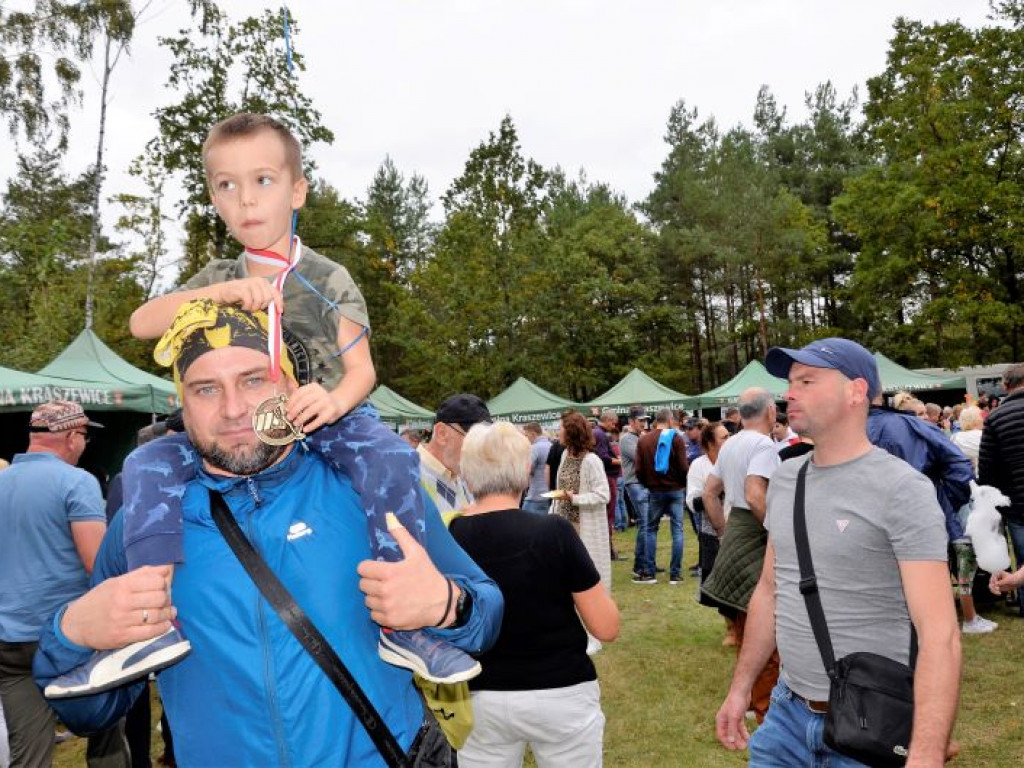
x: 314, y: 300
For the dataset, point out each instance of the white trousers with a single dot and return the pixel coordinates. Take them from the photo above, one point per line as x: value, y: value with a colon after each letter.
x: 563, y: 726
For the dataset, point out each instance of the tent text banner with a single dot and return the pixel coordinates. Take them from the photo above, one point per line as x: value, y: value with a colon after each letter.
x: 38, y: 395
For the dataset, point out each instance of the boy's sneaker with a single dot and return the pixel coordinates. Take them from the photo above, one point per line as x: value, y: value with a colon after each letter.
x: 978, y: 626
x: 432, y: 659
x: 114, y: 668
x: 645, y: 578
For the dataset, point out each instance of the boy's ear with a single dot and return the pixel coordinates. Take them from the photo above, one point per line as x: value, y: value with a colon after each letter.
x: 299, y: 190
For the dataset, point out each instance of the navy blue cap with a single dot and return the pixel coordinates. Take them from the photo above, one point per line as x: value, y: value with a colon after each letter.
x: 847, y: 357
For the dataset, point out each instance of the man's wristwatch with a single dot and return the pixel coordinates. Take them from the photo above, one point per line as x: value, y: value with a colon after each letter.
x: 463, y: 607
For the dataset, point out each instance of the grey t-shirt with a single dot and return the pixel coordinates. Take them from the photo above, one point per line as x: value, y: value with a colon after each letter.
x: 627, y: 451
x: 863, y: 517
x: 538, y: 463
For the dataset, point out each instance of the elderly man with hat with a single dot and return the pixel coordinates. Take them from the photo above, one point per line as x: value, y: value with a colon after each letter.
x: 277, y: 592
x: 878, y: 545
x: 53, y: 520
x: 440, y: 457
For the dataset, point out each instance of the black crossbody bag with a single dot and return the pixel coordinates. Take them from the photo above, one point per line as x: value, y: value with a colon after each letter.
x: 871, y: 698
x: 307, y: 634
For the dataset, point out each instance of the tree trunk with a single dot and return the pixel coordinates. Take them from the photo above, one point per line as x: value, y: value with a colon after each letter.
x: 97, y: 186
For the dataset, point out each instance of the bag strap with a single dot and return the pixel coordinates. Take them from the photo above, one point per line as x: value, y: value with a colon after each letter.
x: 809, y: 581
x: 307, y: 634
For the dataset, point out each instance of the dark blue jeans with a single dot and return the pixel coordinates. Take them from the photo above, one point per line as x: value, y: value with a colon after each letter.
x: 661, y: 503
x: 384, y: 471
x: 1016, y: 529
x: 638, y: 500
x: 792, y: 736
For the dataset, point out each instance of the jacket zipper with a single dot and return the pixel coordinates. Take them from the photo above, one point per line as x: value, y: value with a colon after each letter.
x: 275, y: 717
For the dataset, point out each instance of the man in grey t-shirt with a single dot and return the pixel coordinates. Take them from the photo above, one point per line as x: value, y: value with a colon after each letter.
x: 878, y: 542
x: 540, y: 446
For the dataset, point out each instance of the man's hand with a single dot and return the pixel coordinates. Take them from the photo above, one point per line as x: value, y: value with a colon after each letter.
x: 250, y: 293
x: 1003, y: 582
x: 126, y: 609
x: 311, y: 406
x: 731, y: 721
x: 409, y: 594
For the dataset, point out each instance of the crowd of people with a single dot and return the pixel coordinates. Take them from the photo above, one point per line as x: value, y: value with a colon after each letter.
x: 435, y: 599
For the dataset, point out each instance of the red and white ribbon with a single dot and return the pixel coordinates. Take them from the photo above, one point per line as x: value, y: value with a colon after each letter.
x: 286, y: 265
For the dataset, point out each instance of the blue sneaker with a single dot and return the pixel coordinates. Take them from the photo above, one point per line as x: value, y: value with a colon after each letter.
x: 114, y: 668
x: 432, y: 659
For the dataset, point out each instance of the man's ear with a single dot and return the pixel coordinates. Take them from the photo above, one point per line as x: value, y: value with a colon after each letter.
x: 858, y: 391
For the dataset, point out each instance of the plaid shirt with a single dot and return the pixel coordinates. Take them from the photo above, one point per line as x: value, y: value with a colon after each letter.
x: 444, y: 487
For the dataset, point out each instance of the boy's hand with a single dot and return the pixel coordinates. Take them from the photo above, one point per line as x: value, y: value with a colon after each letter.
x: 312, y: 406
x: 250, y: 293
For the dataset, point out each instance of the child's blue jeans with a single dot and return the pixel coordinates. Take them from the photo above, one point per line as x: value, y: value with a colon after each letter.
x: 383, y: 468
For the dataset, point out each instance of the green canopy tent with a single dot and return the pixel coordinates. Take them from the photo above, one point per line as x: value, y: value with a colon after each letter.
x: 637, y: 388
x: 753, y: 375
x: 397, y: 410
x: 90, y: 373
x: 896, y: 378
x: 107, y: 382
x: 524, y: 401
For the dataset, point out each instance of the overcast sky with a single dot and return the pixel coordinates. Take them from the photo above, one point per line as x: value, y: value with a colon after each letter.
x: 589, y: 84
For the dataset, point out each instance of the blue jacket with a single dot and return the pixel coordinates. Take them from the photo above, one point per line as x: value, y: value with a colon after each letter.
x: 249, y: 694
x: 927, y: 449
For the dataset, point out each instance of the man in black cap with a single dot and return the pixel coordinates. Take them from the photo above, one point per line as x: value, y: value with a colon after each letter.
x: 439, y: 459
x: 636, y: 494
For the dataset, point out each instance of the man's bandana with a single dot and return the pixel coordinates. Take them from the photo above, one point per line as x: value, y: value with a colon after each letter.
x: 201, y: 326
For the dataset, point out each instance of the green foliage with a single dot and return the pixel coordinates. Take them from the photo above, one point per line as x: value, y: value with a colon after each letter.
x: 939, y: 214
x: 63, y: 34
x: 899, y: 226
x: 220, y: 69
x: 44, y: 233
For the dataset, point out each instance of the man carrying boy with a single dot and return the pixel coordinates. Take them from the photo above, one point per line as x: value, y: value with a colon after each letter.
x: 254, y: 171
x: 250, y: 693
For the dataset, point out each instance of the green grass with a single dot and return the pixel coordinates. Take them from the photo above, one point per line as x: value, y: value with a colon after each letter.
x: 663, y: 681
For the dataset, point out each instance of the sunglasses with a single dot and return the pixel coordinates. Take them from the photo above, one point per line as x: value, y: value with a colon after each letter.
x: 85, y: 436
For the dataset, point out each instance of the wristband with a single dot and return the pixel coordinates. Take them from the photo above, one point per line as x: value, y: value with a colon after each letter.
x: 463, y: 607
x: 447, y: 604
x: 59, y: 633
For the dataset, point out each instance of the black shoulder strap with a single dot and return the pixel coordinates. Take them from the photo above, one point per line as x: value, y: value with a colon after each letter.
x: 306, y: 633
x: 809, y: 582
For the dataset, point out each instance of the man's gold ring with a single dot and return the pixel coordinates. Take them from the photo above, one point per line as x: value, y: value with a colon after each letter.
x: 145, y: 616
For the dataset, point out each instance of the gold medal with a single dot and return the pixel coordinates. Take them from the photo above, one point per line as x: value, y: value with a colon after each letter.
x: 271, y: 425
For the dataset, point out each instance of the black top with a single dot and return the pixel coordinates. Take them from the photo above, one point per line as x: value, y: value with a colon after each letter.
x: 554, y: 459
x: 1001, y: 455
x: 538, y: 561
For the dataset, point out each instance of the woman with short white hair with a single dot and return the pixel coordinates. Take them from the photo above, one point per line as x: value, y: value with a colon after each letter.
x: 968, y: 439
x: 538, y: 686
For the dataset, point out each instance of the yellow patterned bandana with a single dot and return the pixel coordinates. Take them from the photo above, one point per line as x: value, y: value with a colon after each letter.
x: 202, y: 325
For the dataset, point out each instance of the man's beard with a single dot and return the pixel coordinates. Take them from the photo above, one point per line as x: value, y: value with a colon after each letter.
x: 247, y: 460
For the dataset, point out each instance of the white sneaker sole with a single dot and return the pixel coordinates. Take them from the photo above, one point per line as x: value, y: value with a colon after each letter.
x: 110, y: 668
x: 415, y: 665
